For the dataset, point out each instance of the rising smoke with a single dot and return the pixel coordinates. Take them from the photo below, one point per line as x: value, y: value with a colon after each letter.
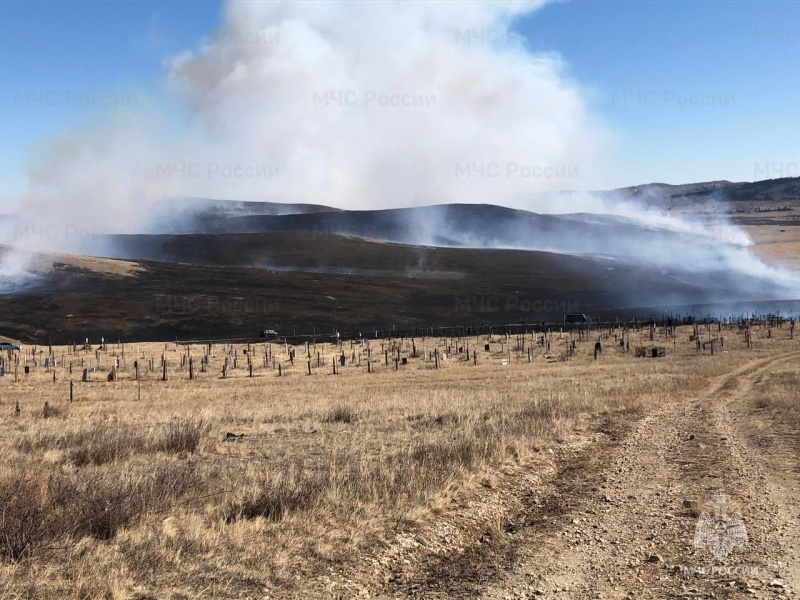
x: 356, y: 105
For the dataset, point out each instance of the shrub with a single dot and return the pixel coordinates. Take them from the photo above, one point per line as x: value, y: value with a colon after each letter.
x: 273, y: 497
x: 180, y: 435
x: 41, y: 509
x: 341, y: 413
x: 104, y: 442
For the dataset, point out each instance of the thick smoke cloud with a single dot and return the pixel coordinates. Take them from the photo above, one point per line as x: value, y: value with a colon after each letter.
x: 384, y: 104
x: 350, y: 104
x: 357, y: 105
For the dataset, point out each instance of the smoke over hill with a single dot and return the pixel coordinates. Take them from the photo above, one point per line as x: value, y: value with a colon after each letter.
x: 363, y: 107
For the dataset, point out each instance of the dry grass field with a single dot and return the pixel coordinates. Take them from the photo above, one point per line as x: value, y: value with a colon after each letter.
x: 321, y: 485
x: 775, y: 236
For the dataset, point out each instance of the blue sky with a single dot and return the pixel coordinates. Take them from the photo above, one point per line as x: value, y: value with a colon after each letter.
x: 690, y: 91
x: 645, y: 63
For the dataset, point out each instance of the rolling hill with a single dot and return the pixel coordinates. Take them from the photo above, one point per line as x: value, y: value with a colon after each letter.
x: 215, y: 268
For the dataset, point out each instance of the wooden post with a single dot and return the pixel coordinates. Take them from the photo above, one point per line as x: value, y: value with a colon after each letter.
x: 164, y: 369
x: 309, y: 366
x: 279, y: 370
x: 191, y: 368
x: 71, y: 394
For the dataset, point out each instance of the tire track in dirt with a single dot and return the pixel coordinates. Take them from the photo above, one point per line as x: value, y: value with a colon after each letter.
x: 774, y: 471
x: 609, y: 518
x: 459, y: 553
x: 718, y: 461
x: 631, y: 536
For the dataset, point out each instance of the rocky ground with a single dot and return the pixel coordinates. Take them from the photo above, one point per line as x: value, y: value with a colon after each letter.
x: 613, y: 513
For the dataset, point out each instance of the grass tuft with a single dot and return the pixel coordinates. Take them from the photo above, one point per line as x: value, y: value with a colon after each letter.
x: 340, y: 413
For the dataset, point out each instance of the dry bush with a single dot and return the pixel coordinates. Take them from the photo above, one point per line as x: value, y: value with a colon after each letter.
x: 42, y: 510
x: 778, y: 394
x: 103, y: 442
x: 24, y: 519
x: 104, y: 500
x: 276, y: 495
x: 340, y: 413
x: 180, y: 436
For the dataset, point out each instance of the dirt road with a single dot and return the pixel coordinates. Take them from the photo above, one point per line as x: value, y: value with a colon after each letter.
x: 619, y: 521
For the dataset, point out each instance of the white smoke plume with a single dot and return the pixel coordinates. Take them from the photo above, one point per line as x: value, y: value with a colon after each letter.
x: 382, y: 104
x: 349, y: 104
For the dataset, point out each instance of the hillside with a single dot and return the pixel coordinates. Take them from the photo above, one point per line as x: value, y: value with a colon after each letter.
x: 782, y: 190
x: 400, y: 286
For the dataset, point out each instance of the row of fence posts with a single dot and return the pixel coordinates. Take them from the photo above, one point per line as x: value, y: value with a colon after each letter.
x: 621, y: 334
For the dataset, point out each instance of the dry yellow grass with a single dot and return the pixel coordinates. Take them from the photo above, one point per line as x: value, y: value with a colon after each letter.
x: 776, y: 238
x: 46, y: 262
x: 248, y: 487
